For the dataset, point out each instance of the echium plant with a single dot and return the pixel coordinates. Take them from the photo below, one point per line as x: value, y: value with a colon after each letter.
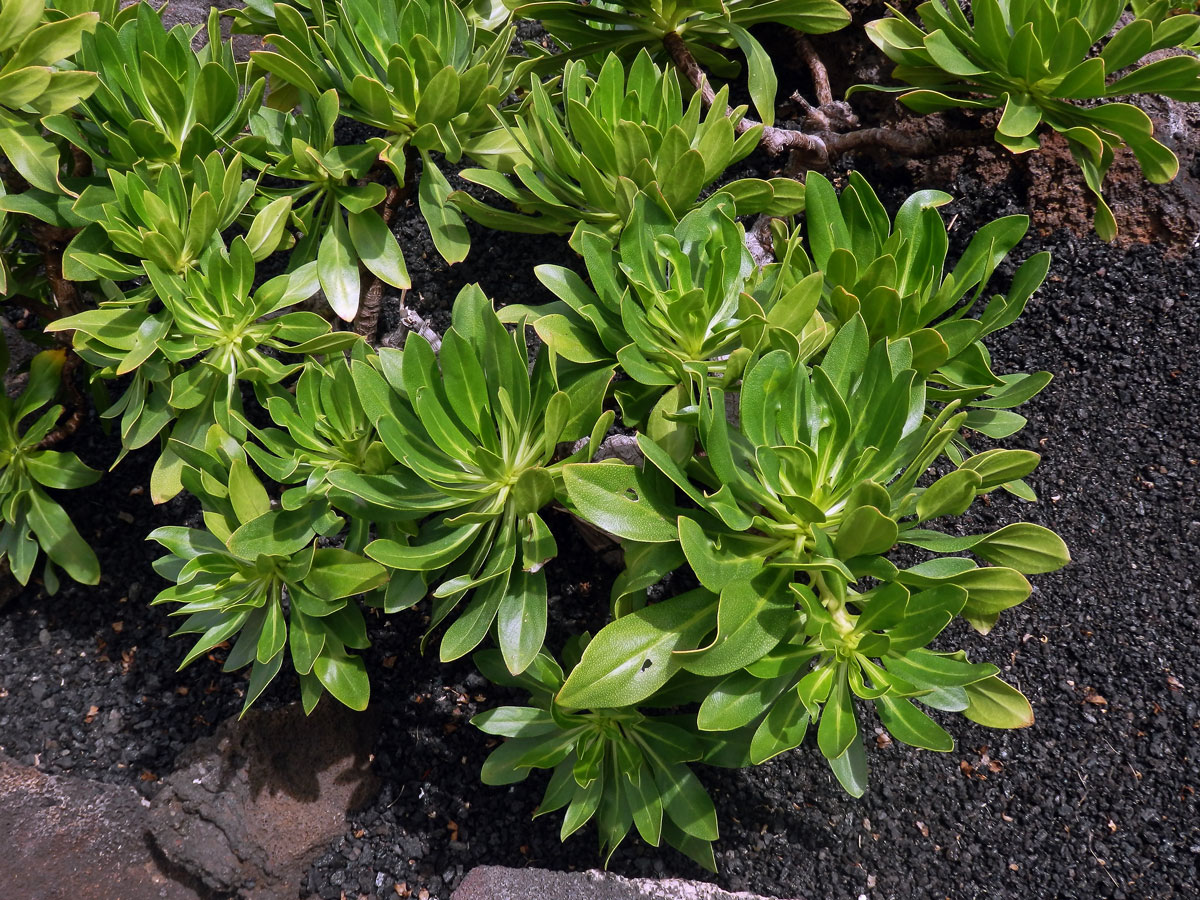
x: 35, y: 42
x: 1034, y: 60
x: 159, y: 102
x: 794, y: 507
x: 255, y: 575
x: 170, y: 218
x: 670, y: 302
x: 334, y: 204
x: 190, y: 358
x: 482, y: 431
x: 31, y: 522
x: 607, y: 138
x: 893, y: 274
x: 624, y: 768
x: 417, y: 70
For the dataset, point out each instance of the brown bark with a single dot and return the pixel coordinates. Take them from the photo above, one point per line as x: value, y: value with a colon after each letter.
x: 820, y: 76
x: 366, y: 322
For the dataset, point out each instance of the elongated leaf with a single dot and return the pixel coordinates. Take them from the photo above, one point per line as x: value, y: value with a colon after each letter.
x: 634, y: 656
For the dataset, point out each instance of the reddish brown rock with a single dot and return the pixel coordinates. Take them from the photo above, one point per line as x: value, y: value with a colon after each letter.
x: 247, y: 809
x: 71, y: 839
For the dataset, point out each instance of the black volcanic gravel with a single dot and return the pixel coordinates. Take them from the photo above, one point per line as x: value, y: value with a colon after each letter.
x: 1097, y: 799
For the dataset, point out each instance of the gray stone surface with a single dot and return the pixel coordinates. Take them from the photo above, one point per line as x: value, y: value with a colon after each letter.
x: 195, y: 12
x: 71, y: 839
x: 500, y: 883
x: 247, y: 809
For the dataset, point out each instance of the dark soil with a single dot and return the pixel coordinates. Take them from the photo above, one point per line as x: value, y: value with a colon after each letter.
x: 1097, y: 798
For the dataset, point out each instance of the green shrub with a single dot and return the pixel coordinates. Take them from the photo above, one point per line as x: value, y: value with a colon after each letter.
x: 797, y: 425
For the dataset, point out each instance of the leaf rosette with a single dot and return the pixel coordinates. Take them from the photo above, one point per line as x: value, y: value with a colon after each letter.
x: 480, y: 430
x: 588, y: 154
x: 621, y: 767
x: 31, y: 522
x: 255, y: 576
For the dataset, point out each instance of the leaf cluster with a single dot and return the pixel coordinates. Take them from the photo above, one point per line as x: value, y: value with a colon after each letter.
x: 803, y: 429
x: 159, y: 101
x: 35, y: 81
x: 31, y: 522
x: 605, y: 139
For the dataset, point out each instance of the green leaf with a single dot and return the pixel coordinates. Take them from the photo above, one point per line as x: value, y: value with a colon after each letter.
x: 280, y: 532
x: 621, y: 499
x: 261, y: 676
x: 59, y: 539
x: 446, y: 227
x: 345, y: 677
x: 950, y: 495
x: 378, y: 249
x: 59, y: 470
x: 783, y: 728
x: 865, y: 531
x: 851, y: 769
x: 1030, y: 549
x: 267, y: 230
x: 515, y: 721
x: 909, y: 725
x: 996, y: 704
x: 338, y: 573
x: 752, y: 617
x: 634, y: 656
x: 337, y: 270
x: 521, y: 620
x: 30, y: 153
x: 246, y: 493
x: 763, y: 83
x: 837, y: 729
x: 685, y: 801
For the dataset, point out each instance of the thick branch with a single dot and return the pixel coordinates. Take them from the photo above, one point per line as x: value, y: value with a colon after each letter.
x: 820, y: 76
x: 759, y: 243
x: 774, y: 140
x: 71, y: 424
x: 826, y: 144
x: 366, y: 323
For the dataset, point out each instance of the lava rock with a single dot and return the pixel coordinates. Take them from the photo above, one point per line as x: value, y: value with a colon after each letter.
x: 247, y: 808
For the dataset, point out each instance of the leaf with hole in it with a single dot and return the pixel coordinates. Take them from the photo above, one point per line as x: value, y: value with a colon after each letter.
x: 634, y: 656
x: 623, y: 500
